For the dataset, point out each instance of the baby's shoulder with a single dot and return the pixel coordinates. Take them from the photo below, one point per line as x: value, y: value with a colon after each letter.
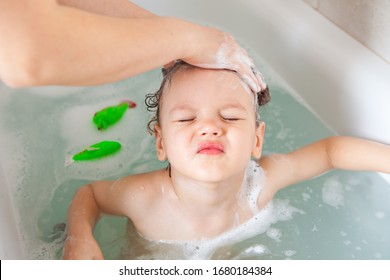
x: 128, y: 196
x: 144, y: 185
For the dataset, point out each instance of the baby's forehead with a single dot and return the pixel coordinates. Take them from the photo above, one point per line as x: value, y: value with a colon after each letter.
x: 188, y: 78
x: 201, y: 86
x: 186, y: 73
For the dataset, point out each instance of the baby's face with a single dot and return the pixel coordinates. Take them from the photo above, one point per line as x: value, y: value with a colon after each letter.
x: 207, y: 126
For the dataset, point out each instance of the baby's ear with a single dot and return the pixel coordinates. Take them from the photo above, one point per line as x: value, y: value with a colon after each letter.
x: 259, y: 139
x: 161, y: 155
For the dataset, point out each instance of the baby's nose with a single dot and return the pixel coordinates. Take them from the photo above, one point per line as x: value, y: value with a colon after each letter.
x: 210, y: 128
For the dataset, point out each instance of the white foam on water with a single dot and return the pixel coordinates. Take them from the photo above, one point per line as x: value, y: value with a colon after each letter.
x: 333, y: 192
x: 380, y: 215
x: 274, y: 234
x: 306, y: 196
x: 254, y: 251
x: 289, y: 253
x: 252, y: 185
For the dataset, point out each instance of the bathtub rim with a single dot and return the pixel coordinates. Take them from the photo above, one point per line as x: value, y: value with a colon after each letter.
x: 10, y: 243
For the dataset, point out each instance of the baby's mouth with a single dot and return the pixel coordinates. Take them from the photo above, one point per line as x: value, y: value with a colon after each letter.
x: 210, y: 148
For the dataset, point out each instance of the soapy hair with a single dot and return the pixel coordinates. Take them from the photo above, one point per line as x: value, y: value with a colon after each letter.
x: 152, y: 100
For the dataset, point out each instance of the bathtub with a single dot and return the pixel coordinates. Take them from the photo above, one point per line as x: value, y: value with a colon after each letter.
x: 336, y: 78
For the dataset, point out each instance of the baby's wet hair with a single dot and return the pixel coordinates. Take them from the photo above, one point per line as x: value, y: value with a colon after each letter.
x: 263, y: 97
x: 152, y: 100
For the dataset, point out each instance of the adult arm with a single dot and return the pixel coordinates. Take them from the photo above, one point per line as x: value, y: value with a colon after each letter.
x: 45, y: 43
x: 113, y: 8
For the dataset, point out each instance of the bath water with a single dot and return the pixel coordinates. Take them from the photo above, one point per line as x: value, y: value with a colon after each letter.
x: 339, y: 215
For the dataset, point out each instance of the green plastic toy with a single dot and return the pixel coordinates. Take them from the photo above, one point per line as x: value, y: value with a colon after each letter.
x: 111, y: 115
x: 95, y: 151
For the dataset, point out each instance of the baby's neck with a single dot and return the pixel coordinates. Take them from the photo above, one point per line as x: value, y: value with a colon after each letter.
x: 207, y: 198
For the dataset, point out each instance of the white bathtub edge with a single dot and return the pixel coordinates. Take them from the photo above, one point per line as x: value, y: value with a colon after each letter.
x: 10, y: 246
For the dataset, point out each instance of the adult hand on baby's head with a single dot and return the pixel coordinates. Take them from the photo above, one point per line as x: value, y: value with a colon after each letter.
x: 218, y: 50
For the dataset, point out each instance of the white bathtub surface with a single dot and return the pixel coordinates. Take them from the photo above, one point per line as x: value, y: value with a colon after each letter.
x: 10, y: 247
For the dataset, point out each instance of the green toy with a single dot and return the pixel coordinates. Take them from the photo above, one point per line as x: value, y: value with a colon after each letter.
x: 111, y: 115
x: 96, y: 151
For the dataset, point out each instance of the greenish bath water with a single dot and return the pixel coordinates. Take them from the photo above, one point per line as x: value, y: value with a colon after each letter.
x: 340, y: 215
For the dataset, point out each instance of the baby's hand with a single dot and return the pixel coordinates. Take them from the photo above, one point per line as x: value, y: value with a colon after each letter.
x: 219, y: 50
x: 82, y: 248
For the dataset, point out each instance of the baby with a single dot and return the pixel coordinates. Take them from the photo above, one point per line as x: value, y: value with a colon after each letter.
x: 208, y: 128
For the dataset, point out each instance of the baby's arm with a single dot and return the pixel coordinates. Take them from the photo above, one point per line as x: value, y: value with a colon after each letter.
x: 319, y: 157
x: 82, y: 217
x: 90, y: 201
x: 84, y: 212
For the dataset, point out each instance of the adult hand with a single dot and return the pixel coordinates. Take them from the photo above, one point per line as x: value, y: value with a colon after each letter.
x: 219, y: 50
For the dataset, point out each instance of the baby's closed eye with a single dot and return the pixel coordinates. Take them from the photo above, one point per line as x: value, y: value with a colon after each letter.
x: 186, y: 119
x: 231, y: 118
x: 233, y: 114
